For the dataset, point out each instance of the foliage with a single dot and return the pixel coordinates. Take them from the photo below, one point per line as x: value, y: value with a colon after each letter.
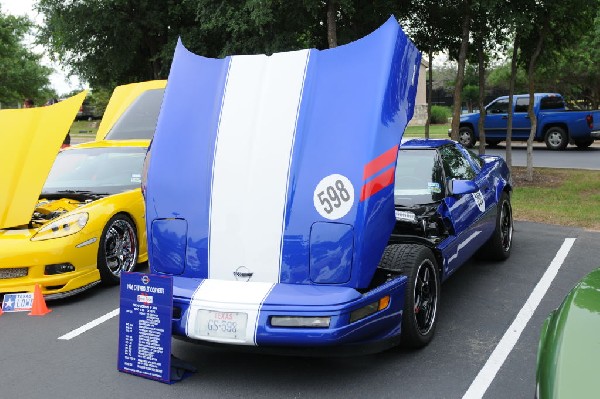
x: 470, y: 94
x: 499, y: 77
x: 573, y: 70
x: 124, y: 41
x: 99, y: 99
x: 130, y: 41
x: 440, y: 114
x: 22, y: 74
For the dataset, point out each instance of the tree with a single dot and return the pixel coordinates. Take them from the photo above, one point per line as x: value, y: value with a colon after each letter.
x: 110, y: 42
x: 556, y: 25
x: 465, y: 8
x: 428, y: 26
x: 23, y: 75
x: 130, y: 41
x: 487, y: 30
x: 573, y: 70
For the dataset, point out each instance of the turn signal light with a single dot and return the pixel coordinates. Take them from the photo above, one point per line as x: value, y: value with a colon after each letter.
x: 371, y: 308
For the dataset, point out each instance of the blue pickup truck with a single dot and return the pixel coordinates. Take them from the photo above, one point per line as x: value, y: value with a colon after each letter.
x: 556, y: 126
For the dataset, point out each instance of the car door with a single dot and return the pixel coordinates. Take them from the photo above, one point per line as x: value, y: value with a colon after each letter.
x: 465, y: 211
x: 521, y: 121
x: 496, y: 119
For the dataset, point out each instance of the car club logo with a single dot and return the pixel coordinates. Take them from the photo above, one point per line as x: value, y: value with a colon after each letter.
x: 242, y: 273
x: 145, y: 279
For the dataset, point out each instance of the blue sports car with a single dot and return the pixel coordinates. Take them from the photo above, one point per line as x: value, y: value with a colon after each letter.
x: 279, y: 199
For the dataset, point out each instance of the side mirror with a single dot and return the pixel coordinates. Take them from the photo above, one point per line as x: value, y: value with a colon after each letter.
x: 459, y: 187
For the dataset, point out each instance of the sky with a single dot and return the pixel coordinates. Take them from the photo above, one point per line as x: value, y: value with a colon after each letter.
x: 59, y: 80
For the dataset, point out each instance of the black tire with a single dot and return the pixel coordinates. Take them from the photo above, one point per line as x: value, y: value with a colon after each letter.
x: 118, y: 249
x: 584, y: 143
x: 466, y: 136
x: 499, y: 245
x: 419, y: 317
x: 556, y: 138
x: 492, y: 143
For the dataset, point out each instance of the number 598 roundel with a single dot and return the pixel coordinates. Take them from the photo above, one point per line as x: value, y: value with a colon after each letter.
x: 281, y: 202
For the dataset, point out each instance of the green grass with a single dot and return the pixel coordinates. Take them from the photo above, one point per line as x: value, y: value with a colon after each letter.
x: 84, y: 128
x: 435, y: 131
x: 567, y: 197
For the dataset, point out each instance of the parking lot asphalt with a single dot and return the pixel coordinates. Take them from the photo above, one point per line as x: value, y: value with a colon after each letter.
x: 478, y: 305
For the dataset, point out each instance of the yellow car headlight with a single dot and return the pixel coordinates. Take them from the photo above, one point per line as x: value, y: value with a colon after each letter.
x: 62, y: 227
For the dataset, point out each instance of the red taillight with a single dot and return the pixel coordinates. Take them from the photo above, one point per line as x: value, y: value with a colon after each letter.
x: 590, y: 120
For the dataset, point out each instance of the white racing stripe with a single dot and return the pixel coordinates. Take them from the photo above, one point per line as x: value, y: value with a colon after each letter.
x: 487, y: 374
x: 251, y: 163
x: 89, y: 325
x: 228, y: 296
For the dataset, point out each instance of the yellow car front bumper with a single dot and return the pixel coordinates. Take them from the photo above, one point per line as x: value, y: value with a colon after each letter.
x: 24, y: 263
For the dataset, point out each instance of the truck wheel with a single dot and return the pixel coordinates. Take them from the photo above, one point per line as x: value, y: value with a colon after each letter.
x: 556, y: 138
x: 419, y: 317
x: 466, y: 137
x: 500, y: 243
x: 584, y: 143
x: 118, y: 249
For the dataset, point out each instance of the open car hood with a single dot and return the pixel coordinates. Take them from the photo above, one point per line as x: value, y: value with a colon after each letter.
x: 121, y: 98
x: 280, y: 168
x: 29, y: 141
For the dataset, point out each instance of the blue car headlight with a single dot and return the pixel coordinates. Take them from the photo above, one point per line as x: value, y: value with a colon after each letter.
x: 62, y: 227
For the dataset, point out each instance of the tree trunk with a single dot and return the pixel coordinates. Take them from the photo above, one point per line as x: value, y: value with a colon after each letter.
x: 429, y: 90
x: 511, y: 92
x: 532, y: 117
x: 460, y: 76
x: 331, y: 24
x: 481, y: 123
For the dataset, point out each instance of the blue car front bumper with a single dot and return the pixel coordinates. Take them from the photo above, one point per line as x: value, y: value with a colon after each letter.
x: 196, y: 299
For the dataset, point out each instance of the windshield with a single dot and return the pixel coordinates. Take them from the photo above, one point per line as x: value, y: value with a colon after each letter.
x: 419, y: 178
x: 139, y: 120
x: 106, y: 170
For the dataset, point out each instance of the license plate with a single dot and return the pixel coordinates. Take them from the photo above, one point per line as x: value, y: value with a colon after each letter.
x: 222, y: 324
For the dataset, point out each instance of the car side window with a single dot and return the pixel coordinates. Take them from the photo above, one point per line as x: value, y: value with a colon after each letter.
x: 552, y: 102
x: 456, y: 166
x: 498, y: 107
x: 522, y: 104
x: 476, y: 160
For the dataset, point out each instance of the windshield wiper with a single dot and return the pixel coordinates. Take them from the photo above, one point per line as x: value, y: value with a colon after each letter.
x: 75, y: 193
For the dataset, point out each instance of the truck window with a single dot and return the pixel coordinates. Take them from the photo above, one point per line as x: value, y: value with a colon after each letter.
x: 498, y: 107
x: 522, y: 104
x: 552, y: 102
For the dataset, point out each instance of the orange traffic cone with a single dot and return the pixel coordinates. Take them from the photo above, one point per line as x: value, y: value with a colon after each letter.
x: 1, y: 312
x: 38, y: 308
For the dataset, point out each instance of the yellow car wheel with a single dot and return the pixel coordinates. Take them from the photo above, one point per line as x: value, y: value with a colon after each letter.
x: 118, y: 250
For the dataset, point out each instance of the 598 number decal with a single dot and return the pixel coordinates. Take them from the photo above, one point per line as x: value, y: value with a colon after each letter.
x: 333, y: 196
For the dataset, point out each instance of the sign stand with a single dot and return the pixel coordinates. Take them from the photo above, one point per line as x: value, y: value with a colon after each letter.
x: 146, y: 310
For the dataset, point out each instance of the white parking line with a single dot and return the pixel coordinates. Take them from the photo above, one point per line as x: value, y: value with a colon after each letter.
x: 90, y: 325
x: 487, y: 374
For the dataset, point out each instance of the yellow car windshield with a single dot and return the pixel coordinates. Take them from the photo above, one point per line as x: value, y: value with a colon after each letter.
x: 95, y: 171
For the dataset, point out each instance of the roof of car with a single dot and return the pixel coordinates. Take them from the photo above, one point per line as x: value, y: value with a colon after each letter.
x: 425, y: 143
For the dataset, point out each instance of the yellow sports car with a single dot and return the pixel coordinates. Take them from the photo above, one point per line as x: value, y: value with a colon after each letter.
x: 73, y: 220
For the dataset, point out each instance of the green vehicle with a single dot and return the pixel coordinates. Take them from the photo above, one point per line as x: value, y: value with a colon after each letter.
x: 569, y: 348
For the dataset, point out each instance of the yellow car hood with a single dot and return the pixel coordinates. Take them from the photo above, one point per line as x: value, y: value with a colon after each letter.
x: 120, y: 100
x: 29, y: 141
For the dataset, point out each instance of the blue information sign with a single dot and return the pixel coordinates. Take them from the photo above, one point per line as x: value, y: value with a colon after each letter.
x: 145, y: 325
